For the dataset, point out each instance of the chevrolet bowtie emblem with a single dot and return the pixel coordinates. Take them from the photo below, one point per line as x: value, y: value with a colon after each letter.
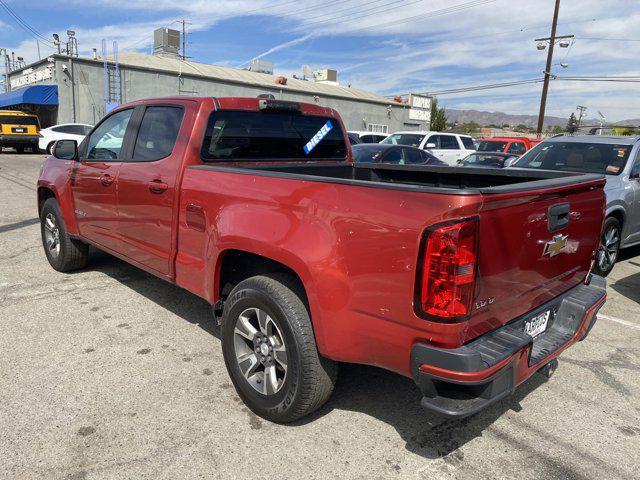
x: 556, y: 245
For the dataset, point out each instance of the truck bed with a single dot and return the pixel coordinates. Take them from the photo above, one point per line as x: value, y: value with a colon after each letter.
x: 446, y: 180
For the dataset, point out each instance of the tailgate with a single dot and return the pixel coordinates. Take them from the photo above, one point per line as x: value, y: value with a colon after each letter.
x: 533, y: 246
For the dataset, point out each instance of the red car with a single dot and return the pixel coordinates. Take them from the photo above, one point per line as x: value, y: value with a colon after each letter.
x: 512, y: 145
x: 467, y: 281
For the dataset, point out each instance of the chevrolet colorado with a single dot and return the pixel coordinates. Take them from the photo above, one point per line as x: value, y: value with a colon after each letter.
x: 467, y: 280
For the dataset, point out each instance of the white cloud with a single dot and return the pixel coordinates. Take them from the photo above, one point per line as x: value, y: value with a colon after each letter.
x: 490, y: 42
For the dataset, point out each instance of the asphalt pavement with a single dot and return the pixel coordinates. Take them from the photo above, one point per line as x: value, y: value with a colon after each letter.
x: 110, y: 372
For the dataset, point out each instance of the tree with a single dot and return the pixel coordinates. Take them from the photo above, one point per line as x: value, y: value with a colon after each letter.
x: 438, y: 117
x: 572, y: 124
x: 556, y: 130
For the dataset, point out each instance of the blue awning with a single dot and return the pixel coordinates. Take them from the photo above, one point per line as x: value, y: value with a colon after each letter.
x: 35, y: 95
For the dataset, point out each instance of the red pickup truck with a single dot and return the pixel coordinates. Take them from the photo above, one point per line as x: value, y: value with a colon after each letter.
x: 468, y: 281
x: 513, y: 145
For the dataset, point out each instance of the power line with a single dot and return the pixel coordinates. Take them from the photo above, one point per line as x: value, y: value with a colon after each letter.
x: 25, y: 26
x: 434, y: 13
x: 355, y: 7
x: 341, y: 18
x: 483, y: 87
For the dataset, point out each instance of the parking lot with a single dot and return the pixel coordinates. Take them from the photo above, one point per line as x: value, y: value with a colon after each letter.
x: 110, y: 372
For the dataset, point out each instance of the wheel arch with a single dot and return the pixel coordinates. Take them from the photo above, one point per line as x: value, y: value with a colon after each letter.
x: 235, y: 265
x: 44, y: 194
x: 618, y: 212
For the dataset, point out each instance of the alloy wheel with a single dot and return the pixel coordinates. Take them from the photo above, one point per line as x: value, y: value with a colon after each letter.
x: 52, y: 235
x: 609, y: 245
x: 260, y: 351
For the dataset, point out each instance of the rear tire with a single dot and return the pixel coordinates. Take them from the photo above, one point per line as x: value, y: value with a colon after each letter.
x: 20, y: 150
x: 270, y: 350
x: 609, y: 247
x: 50, y: 148
x: 63, y: 252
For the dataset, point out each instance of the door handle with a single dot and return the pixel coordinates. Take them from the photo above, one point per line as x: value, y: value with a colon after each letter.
x: 157, y: 186
x: 106, y: 179
x: 558, y: 216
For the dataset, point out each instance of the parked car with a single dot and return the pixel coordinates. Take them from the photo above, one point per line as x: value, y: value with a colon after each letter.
x: 488, y: 160
x: 19, y: 130
x: 368, y: 137
x: 618, y: 158
x: 309, y: 259
x: 395, y: 154
x: 448, y: 147
x: 353, y: 138
x: 513, y: 145
x: 64, y: 131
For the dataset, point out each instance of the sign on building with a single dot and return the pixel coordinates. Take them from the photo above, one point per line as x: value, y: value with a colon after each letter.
x: 29, y: 76
x: 420, y: 108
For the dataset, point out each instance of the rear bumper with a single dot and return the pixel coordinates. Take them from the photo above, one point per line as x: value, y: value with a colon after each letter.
x: 462, y: 381
x: 9, y: 140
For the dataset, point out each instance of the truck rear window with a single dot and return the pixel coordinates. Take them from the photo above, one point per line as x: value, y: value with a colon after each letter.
x: 18, y: 120
x: 491, y: 146
x: 239, y: 135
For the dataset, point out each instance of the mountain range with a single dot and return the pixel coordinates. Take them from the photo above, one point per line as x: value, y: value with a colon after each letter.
x: 500, y: 118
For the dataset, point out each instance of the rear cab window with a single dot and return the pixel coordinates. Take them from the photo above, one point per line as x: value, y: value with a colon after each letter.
x: 272, y: 135
x: 492, y: 146
x: 158, y: 133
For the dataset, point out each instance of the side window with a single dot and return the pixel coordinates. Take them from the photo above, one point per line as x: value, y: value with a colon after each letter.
x: 435, y: 139
x: 368, y: 138
x: 76, y: 129
x: 517, y: 148
x: 86, y: 129
x: 413, y: 157
x: 635, y: 172
x: 158, y: 133
x: 449, y: 142
x: 467, y: 142
x: 59, y: 129
x: 106, y: 142
x: 394, y: 156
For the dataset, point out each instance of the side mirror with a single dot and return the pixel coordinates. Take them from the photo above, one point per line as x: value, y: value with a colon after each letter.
x: 430, y: 145
x: 510, y: 161
x: 66, y: 150
x: 635, y: 175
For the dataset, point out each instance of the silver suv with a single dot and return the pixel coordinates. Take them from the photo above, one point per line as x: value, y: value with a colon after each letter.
x: 618, y: 158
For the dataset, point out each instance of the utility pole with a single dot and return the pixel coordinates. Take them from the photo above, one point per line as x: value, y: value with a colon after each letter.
x: 184, y: 37
x: 580, y: 109
x: 547, y: 70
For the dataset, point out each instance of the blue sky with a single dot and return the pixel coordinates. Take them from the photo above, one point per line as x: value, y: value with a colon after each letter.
x: 390, y: 47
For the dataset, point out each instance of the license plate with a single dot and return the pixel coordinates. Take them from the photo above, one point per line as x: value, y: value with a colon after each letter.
x: 19, y: 130
x: 537, y: 325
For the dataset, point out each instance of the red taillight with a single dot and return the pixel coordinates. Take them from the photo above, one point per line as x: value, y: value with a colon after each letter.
x: 449, y: 270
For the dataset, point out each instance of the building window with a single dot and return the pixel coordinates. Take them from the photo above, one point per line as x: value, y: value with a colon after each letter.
x: 377, y: 128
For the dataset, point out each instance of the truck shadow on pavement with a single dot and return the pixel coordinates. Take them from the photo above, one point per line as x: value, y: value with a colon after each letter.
x: 386, y: 396
x: 395, y: 400
x: 177, y: 300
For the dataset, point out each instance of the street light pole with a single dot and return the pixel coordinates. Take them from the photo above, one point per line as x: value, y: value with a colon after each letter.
x: 547, y: 70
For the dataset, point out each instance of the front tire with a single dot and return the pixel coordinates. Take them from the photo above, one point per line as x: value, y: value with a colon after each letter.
x: 270, y: 350
x: 609, y: 247
x: 63, y: 252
